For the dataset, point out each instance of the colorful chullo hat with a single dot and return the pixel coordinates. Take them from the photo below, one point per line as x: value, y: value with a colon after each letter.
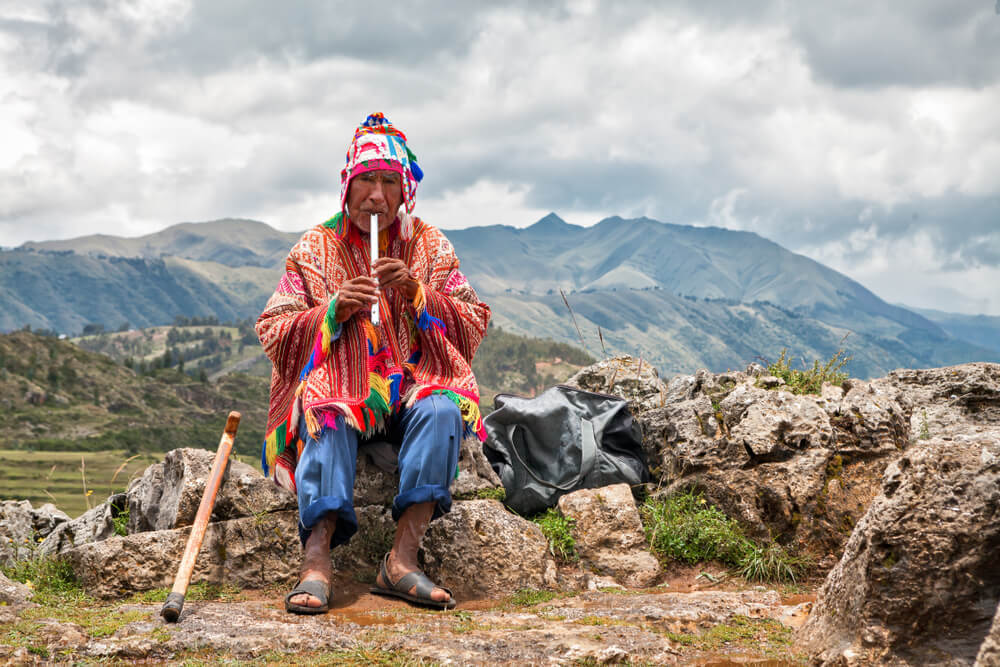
x: 377, y: 144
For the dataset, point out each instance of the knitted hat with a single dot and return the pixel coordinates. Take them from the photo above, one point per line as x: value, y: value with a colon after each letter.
x: 379, y: 145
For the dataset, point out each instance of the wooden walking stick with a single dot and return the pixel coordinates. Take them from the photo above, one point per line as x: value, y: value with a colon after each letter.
x: 175, y: 601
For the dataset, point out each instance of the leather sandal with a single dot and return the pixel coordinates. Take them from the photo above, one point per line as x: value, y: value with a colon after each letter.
x: 314, y: 587
x: 401, y: 588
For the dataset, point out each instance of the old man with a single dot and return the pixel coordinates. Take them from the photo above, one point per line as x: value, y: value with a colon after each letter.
x: 338, y: 378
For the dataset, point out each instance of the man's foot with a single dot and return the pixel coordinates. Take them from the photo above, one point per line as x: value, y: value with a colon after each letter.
x: 409, y: 583
x: 316, y: 563
x: 307, y: 599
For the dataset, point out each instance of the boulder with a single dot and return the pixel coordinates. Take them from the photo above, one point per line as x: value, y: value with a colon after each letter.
x: 480, y: 549
x: 46, y: 518
x: 168, y: 493
x: 361, y: 557
x: 13, y: 592
x: 919, y: 580
x: 801, y: 469
x: 632, y: 378
x: 97, y: 523
x: 16, y: 531
x: 989, y: 652
x: 251, y: 552
x: 609, y: 536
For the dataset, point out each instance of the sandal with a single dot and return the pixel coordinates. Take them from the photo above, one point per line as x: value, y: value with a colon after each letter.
x: 401, y: 588
x: 314, y: 587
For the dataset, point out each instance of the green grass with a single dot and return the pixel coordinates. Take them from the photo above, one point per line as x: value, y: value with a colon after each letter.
x: 765, y: 635
x: 685, y: 527
x: 55, y: 477
x: 529, y: 597
x: 809, y: 380
x: 558, y: 530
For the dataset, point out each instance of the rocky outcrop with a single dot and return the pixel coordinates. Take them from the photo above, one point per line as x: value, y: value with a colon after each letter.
x: 480, y: 549
x: 22, y: 526
x: 250, y: 552
x: 800, y: 469
x: 95, y: 524
x: 632, y: 378
x: 168, y: 493
x: 608, y: 534
x: 919, y: 580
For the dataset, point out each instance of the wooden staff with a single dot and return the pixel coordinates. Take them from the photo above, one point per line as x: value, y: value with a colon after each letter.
x: 175, y: 601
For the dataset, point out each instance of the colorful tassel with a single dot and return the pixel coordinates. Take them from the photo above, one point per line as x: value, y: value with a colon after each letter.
x: 425, y: 321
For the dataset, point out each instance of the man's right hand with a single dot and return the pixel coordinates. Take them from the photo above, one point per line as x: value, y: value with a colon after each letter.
x: 354, y: 295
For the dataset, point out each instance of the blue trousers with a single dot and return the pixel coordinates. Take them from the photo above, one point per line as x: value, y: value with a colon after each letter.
x: 429, y: 435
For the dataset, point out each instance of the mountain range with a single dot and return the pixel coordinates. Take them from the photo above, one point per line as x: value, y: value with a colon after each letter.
x: 682, y: 297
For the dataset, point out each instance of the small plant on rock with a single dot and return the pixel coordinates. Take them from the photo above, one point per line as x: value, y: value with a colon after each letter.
x: 686, y: 528
x: 558, y: 530
x: 810, y: 380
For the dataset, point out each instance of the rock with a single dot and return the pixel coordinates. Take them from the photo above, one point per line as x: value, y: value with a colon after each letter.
x: 46, y: 518
x: 95, y: 524
x: 16, y: 531
x: 361, y: 557
x: 609, y: 536
x: 797, y: 468
x: 251, y: 552
x: 632, y: 378
x: 475, y: 474
x: 919, y: 580
x: 989, y: 652
x: 480, y: 549
x: 13, y: 592
x: 168, y: 493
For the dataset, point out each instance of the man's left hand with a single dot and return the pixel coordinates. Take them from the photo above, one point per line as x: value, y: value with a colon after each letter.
x: 393, y: 272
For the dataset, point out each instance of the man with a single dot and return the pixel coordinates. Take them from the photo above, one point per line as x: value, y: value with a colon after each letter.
x: 337, y: 377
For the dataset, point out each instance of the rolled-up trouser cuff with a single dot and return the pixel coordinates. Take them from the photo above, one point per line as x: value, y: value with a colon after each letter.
x: 347, y: 520
x: 440, y: 495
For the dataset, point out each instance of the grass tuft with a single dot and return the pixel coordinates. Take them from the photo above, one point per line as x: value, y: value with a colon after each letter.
x: 558, y: 530
x: 810, y: 380
x: 685, y: 527
x: 529, y: 597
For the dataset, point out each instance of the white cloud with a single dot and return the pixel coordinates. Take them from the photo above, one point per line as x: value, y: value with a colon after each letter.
x: 787, y: 120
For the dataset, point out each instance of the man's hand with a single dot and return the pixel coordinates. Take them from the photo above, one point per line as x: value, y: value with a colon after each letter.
x: 354, y: 295
x: 394, y: 273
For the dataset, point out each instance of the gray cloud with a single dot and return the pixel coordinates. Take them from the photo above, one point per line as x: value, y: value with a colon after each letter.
x: 865, y: 135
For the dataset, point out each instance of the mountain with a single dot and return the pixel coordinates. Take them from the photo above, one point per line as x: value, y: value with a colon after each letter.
x: 232, y: 242
x: 982, y: 330
x: 635, y: 279
x: 683, y: 297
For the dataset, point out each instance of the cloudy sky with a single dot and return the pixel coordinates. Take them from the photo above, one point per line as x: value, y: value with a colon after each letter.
x: 864, y: 134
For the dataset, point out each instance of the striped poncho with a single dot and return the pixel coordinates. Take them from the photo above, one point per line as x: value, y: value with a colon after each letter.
x: 323, y: 369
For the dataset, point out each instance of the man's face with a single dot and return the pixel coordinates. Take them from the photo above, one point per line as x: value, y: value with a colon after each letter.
x: 379, y: 192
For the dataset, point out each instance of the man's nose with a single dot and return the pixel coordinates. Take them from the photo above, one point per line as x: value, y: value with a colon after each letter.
x: 377, y: 192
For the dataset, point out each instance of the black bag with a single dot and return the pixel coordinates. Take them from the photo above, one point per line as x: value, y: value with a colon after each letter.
x: 562, y: 440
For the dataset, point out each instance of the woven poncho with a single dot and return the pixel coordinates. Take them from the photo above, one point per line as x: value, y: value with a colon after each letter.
x: 354, y: 370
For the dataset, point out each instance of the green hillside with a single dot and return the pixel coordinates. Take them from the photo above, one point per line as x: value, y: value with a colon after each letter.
x: 683, y: 297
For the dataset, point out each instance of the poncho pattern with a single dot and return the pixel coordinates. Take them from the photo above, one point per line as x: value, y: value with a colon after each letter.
x: 324, y: 369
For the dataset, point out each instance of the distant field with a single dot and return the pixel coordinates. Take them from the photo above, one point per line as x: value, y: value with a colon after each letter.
x: 55, y: 477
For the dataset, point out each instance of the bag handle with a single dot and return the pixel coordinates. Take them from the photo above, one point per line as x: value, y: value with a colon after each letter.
x: 588, y: 454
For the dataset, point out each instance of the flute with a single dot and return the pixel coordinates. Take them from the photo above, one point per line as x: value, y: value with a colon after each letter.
x: 373, y: 235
